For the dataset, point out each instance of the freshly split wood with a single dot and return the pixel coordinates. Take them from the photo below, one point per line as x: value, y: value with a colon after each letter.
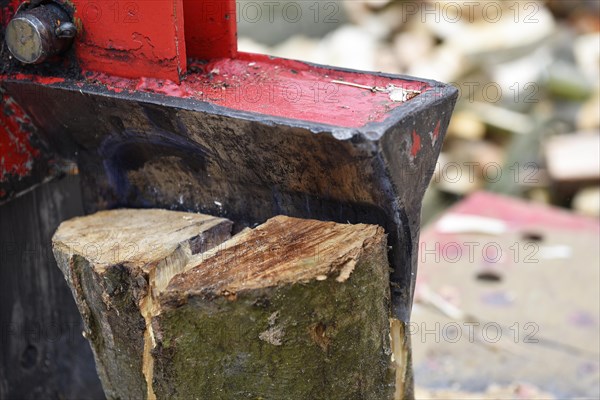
x: 174, y: 307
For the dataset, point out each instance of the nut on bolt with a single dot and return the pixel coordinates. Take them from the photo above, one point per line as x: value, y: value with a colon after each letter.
x: 39, y: 32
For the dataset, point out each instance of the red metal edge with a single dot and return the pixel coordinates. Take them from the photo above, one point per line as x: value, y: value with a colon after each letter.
x: 7, y: 10
x: 272, y: 87
x: 23, y: 163
x: 522, y: 214
x: 17, y: 153
x: 210, y: 29
x: 24, y: 158
x: 131, y: 39
x: 281, y: 88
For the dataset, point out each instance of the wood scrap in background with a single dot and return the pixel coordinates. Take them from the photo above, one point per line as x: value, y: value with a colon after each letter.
x: 573, y: 165
x: 493, y: 392
x: 582, y: 14
x: 292, y: 309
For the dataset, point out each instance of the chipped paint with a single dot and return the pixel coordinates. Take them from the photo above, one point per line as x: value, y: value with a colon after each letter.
x: 277, y: 87
x: 416, y: 144
x: 436, y: 133
x: 17, y: 154
x: 45, y: 80
x: 8, y: 11
x: 131, y: 39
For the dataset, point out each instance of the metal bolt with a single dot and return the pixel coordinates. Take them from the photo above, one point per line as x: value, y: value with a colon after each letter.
x: 35, y: 34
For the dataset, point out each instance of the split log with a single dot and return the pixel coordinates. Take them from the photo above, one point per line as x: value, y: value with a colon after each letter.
x: 293, y: 309
x: 114, y: 263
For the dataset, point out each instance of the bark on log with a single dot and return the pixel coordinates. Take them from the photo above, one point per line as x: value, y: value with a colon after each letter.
x: 294, y: 309
x: 114, y: 263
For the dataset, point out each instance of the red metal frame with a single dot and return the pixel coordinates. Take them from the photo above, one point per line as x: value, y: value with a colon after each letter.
x: 210, y: 29
x: 17, y: 153
x: 131, y: 39
x: 146, y: 45
x: 152, y: 38
x: 279, y: 87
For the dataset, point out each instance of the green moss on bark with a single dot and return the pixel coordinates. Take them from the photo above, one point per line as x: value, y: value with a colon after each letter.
x: 113, y: 325
x: 319, y: 340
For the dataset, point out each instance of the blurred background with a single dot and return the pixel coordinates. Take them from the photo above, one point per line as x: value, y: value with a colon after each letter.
x: 507, y: 300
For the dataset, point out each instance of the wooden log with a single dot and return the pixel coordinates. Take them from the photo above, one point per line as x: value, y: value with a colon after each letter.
x: 293, y: 309
x: 114, y: 262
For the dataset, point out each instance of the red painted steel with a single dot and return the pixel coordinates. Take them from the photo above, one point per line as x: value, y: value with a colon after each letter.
x: 8, y: 11
x: 152, y: 38
x: 272, y: 86
x: 416, y: 144
x: 278, y: 87
x: 143, y: 46
x: 17, y: 154
x: 131, y: 38
x: 210, y: 28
